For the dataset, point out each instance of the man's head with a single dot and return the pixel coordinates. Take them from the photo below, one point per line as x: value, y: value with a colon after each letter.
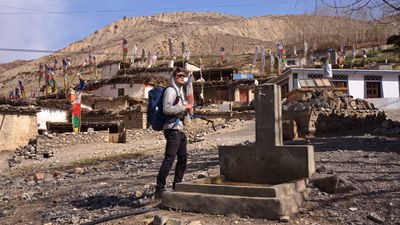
x: 179, y: 75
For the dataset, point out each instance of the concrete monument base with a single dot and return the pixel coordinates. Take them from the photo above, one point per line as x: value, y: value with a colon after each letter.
x: 217, y: 196
x: 267, y: 180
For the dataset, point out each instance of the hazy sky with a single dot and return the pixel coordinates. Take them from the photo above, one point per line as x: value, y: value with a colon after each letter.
x: 53, y: 24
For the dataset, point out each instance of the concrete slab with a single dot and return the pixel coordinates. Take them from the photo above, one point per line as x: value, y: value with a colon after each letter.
x: 256, y: 207
x: 218, y: 185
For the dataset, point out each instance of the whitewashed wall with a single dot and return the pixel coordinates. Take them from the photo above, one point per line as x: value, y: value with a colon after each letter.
x: 111, y: 90
x: 51, y: 115
x: 108, y: 71
x: 356, y: 86
x: 390, y: 86
x: 147, y: 88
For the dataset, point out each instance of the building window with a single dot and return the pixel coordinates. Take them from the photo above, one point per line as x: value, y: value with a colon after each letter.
x: 291, y: 62
x: 313, y: 76
x: 295, y: 80
x: 373, y: 86
x: 284, y: 90
x: 121, y: 91
x: 340, y: 81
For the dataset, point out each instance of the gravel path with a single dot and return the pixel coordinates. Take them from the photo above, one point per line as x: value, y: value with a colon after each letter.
x: 78, y: 194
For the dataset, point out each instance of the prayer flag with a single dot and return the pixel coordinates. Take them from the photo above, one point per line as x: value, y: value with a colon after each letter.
x: 124, y: 49
x: 222, y: 53
x: 262, y: 59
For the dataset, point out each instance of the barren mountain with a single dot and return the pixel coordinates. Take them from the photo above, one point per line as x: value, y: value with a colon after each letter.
x: 204, y: 34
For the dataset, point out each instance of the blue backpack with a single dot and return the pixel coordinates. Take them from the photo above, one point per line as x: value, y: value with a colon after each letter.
x: 155, y: 114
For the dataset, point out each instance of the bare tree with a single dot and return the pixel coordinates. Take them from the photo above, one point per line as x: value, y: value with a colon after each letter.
x: 376, y: 9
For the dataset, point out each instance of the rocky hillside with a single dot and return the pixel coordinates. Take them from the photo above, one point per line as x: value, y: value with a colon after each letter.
x: 204, y: 34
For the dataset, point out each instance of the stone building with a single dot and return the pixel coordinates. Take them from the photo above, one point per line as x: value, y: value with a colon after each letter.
x: 131, y: 112
x: 17, y: 126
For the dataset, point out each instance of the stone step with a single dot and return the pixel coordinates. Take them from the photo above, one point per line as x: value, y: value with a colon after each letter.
x: 256, y: 207
x: 218, y: 186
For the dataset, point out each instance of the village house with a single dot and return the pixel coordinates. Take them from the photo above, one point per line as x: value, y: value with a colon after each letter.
x: 381, y: 87
x: 224, y: 85
x: 110, y: 68
x: 123, y: 98
x: 298, y: 61
x: 130, y: 112
x: 358, y: 83
x: 136, y: 83
x: 52, y: 111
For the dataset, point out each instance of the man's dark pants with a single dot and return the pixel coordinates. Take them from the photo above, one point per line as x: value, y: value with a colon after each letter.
x: 176, y: 146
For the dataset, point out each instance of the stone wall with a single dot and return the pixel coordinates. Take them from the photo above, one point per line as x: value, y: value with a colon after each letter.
x: 48, y: 144
x: 224, y: 117
x: 135, y: 120
x: 16, y: 129
x: 113, y: 104
x: 325, y: 112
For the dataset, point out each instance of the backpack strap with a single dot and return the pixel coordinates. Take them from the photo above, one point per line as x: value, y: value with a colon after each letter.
x: 176, y: 102
x: 177, y: 96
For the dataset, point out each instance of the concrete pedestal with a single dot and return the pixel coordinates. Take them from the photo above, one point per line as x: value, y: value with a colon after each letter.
x: 267, y: 180
x: 217, y: 196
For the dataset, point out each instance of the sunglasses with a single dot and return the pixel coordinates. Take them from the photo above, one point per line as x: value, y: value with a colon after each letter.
x: 181, y: 75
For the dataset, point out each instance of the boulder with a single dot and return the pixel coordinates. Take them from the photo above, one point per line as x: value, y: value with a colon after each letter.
x: 333, y: 184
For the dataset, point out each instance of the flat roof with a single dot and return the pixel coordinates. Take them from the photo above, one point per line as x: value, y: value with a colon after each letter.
x: 335, y: 72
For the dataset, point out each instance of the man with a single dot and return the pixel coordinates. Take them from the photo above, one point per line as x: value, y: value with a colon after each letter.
x: 175, y: 109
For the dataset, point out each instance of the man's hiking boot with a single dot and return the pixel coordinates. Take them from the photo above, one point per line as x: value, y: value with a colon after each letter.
x: 158, y: 193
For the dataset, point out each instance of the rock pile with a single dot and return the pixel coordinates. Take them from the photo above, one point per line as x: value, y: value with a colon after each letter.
x: 324, y: 111
x: 388, y: 127
x: 327, y: 101
x: 27, y: 152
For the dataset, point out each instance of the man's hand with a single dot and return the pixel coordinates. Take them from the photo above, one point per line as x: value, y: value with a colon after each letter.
x: 189, y: 108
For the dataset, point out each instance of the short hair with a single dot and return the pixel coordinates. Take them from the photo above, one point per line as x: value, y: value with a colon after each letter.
x: 179, y: 70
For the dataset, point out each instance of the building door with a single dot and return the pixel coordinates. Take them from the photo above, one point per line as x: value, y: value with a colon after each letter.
x: 221, y: 95
x: 244, y: 95
x: 121, y: 92
x: 373, y: 89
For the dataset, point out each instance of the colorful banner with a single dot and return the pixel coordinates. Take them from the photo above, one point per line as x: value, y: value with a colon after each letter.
x: 76, y: 113
x: 41, y: 73
x: 242, y: 76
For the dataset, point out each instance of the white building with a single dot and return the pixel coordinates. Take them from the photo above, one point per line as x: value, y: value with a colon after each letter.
x: 111, y: 68
x: 363, y: 84
x: 136, y: 86
x: 51, y: 115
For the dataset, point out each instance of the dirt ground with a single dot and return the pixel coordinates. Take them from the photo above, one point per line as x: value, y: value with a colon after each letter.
x: 79, y: 187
